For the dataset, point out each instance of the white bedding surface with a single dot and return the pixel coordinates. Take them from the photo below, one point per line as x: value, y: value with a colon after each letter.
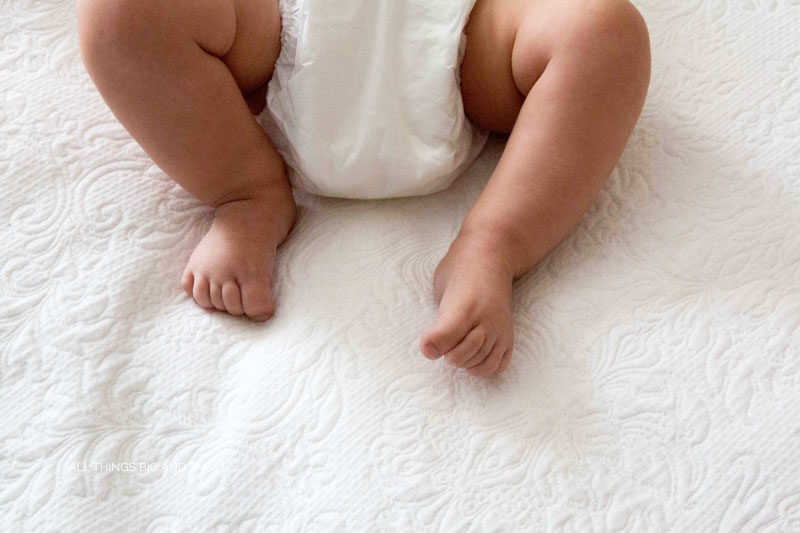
x: 656, y: 378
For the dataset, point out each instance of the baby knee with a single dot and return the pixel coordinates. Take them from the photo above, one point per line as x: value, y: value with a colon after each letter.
x: 614, y: 27
x: 110, y: 30
x: 592, y: 33
x: 105, y: 25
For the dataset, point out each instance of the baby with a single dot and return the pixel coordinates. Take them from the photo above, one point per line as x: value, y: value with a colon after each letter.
x: 216, y: 93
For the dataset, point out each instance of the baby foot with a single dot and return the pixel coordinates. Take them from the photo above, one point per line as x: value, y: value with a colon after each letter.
x: 472, y: 284
x: 231, y: 268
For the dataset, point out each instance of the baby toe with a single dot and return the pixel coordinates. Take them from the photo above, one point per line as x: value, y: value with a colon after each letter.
x: 232, y: 297
x: 443, y: 336
x: 491, y: 363
x: 481, y: 354
x: 505, y: 362
x: 257, y: 300
x: 215, y: 293
x: 187, y: 282
x: 465, y: 349
x: 200, y: 292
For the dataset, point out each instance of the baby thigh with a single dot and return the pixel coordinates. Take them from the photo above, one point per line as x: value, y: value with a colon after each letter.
x: 174, y: 73
x: 491, y: 98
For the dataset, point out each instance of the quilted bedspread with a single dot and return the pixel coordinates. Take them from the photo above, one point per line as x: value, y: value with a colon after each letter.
x: 656, y: 375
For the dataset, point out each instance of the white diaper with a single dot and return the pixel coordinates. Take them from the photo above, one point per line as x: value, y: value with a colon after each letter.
x: 365, y: 102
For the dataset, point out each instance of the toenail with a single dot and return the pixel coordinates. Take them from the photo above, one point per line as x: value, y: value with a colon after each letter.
x: 433, y: 351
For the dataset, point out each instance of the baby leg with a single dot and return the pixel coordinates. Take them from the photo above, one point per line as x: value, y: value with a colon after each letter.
x: 568, y: 80
x: 175, y: 73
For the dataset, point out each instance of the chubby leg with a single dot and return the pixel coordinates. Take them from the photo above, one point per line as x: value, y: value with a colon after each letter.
x: 568, y: 79
x: 176, y: 74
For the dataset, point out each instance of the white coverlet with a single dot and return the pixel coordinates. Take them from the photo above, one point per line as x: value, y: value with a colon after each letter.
x: 656, y: 375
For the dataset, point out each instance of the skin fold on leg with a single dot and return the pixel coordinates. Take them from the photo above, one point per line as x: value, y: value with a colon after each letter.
x: 176, y: 75
x: 568, y: 79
